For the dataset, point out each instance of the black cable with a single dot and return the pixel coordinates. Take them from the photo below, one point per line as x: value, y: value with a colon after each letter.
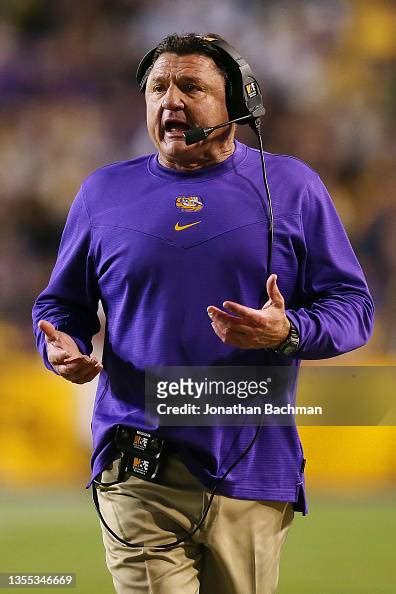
x: 188, y: 535
x: 257, y: 123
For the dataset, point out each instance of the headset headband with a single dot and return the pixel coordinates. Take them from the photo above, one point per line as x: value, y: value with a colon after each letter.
x: 243, y: 92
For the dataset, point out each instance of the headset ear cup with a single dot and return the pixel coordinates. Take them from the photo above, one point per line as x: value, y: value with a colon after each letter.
x: 239, y: 102
x: 235, y: 105
x: 234, y: 93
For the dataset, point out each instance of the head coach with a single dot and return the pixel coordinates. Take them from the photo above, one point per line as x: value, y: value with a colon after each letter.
x: 205, y: 253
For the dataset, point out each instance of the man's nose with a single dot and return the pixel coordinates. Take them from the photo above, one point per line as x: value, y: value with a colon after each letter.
x: 173, y: 99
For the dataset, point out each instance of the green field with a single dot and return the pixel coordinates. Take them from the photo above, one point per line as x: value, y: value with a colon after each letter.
x: 343, y: 547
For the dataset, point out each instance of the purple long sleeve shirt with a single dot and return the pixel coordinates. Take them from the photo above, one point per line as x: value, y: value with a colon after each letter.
x: 120, y: 246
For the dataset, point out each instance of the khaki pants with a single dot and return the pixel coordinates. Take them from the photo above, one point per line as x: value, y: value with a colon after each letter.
x: 236, y: 551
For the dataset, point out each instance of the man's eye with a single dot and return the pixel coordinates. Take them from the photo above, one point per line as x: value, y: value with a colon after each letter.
x: 190, y: 87
x: 158, y: 88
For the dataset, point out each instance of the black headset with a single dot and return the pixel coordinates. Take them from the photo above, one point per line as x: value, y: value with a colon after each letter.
x: 243, y: 94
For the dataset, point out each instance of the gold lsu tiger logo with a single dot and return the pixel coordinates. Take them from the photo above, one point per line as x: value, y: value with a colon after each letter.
x: 189, y: 203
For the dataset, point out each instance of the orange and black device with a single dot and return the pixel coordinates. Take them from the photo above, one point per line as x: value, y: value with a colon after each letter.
x: 142, y: 453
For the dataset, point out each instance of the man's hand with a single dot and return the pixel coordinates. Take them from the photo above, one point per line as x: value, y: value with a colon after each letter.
x: 65, y: 357
x: 249, y: 328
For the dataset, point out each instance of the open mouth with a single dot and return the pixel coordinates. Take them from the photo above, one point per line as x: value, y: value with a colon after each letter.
x: 176, y: 128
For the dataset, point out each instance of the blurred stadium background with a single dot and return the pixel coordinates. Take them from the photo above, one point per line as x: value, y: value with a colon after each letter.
x: 68, y: 104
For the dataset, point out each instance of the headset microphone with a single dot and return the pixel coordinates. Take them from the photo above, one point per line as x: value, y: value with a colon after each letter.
x: 198, y: 134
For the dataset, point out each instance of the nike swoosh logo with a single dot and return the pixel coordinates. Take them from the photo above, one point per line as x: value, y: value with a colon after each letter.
x: 182, y: 227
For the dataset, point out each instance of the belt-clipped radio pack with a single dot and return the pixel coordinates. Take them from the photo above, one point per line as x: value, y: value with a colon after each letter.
x: 141, y: 453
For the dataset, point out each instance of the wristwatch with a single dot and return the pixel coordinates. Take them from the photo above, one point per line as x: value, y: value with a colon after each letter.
x: 291, y: 343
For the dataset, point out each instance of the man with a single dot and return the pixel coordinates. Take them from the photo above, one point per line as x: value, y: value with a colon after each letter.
x: 159, y: 272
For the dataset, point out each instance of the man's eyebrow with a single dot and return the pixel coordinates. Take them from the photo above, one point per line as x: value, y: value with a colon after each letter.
x: 192, y: 78
x: 184, y: 78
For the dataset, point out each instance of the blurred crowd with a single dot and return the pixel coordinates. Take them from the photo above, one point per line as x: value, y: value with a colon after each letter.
x: 69, y: 104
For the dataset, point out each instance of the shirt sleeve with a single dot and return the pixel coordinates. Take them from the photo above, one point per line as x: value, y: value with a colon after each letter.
x: 337, y: 310
x: 70, y: 301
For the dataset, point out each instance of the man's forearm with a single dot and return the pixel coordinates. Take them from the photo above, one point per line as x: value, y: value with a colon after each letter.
x: 333, y: 325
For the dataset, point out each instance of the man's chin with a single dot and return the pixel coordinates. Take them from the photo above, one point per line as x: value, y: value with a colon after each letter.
x: 175, y: 147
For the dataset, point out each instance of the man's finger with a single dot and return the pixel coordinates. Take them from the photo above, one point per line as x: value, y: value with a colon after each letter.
x: 217, y: 331
x: 274, y: 294
x: 86, y: 376
x: 79, y: 365
x: 80, y: 358
x: 228, y: 323
x: 57, y: 357
x: 79, y: 371
x: 51, y: 333
x: 230, y: 337
x: 247, y: 315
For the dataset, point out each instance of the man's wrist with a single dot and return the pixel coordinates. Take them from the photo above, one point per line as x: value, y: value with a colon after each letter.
x: 291, y: 343
x: 285, y: 333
